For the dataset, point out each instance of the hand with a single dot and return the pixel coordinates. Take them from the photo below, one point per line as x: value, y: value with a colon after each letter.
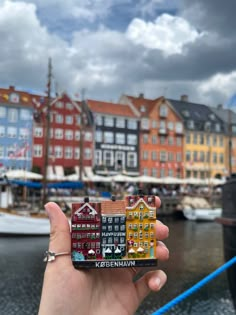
x: 67, y: 291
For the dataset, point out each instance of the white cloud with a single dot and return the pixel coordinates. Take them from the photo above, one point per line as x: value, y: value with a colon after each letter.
x: 168, y: 33
x: 222, y: 84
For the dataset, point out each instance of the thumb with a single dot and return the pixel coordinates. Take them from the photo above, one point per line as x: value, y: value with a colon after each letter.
x: 59, y: 231
x: 150, y: 281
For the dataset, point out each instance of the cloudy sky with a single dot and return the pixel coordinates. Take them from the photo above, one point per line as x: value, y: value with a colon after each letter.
x: 111, y: 47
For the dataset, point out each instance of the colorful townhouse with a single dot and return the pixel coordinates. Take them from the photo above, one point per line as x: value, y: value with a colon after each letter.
x: 140, y: 222
x: 66, y: 134
x: 16, y: 125
x: 113, y: 235
x: 229, y: 118
x: 205, y: 154
x: 161, y: 136
x: 85, y: 230
x: 116, y: 138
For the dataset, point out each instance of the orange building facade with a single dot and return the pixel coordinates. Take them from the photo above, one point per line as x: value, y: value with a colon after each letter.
x: 161, y: 137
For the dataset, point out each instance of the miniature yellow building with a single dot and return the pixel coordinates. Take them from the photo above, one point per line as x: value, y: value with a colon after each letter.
x: 140, y: 222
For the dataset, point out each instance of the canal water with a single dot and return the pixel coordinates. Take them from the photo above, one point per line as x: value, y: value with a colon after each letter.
x: 196, y: 249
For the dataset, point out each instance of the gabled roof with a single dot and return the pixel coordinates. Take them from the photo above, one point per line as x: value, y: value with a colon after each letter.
x: 110, y: 207
x: 225, y: 114
x: 138, y: 102
x: 200, y: 114
x: 115, y: 109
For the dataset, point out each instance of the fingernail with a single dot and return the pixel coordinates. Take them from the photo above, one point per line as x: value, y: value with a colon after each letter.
x: 47, y: 208
x: 157, y: 283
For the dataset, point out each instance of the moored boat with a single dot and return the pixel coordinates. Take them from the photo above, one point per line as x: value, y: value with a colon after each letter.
x: 21, y: 224
x: 204, y: 214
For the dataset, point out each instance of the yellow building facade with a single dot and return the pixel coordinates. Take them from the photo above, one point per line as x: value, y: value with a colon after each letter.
x: 205, y: 155
x: 140, y: 222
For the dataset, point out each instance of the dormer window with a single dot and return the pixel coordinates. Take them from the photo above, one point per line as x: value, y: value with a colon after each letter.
x: 142, y: 109
x: 207, y: 126
x: 163, y: 111
x: 185, y: 113
x: 212, y: 116
x: 217, y: 127
x: 191, y: 124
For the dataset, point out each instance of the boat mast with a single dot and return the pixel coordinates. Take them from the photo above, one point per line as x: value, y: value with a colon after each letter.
x: 47, y: 132
x: 81, y: 144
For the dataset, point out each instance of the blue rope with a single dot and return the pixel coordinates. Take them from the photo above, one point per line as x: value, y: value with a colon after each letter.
x: 194, y: 288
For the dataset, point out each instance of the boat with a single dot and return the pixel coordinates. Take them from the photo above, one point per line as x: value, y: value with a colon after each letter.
x: 23, y: 224
x: 199, y: 209
x: 201, y: 214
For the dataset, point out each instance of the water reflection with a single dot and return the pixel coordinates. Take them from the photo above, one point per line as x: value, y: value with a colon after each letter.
x: 196, y: 250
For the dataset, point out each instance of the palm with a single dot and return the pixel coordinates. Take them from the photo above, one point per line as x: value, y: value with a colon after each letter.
x: 99, y: 290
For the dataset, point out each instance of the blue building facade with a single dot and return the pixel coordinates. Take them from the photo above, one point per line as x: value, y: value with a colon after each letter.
x: 16, y: 131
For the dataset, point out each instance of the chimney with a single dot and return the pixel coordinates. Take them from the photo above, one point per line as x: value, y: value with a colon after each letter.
x: 141, y: 95
x: 184, y: 98
x: 11, y: 88
x: 219, y: 106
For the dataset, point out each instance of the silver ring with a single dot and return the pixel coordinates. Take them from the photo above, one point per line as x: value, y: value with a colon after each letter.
x: 50, y: 256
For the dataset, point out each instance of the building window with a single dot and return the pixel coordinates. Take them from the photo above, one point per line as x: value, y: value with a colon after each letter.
x: 1, y: 151
x: 154, y: 172
x: 120, y: 122
x: 120, y: 138
x: 170, y: 125
x: 162, y: 140
x: 12, y: 115
x: 170, y: 156
x: 178, y: 141
x: 69, y: 135
x: 163, y: 111
x: 98, y: 157
x: 221, y: 156
x: 221, y: 141
x: 145, y: 138
x: 108, y: 158
x: 195, y: 156
x: 2, y: 131
x: 108, y: 137
x: 145, y: 155
x: 11, y: 132
x: 25, y: 114
x: 77, y: 135
x: 214, y: 158
x: 188, y: 156
x: 120, y: 160
x: 179, y: 127
x: 195, y: 138
x: 132, y: 159
x: 77, y: 153
x: 154, y: 139
x: 99, y: 120
x: 38, y: 151
x: 87, y: 154
x: 154, y: 155
x: 145, y: 171
x: 59, y: 104
x: 98, y: 136
x: 38, y: 132
x: 58, y: 152
x: 145, y: 123
x: 215, y: 140
x: 190, y: 124
x: 23, y: 133
x: 202, y: 156
x: 69, y: 120
x: 170, y: 140
x: 132, y: 139
x: 163, y: 156
x: 178, y: 157
x: 201, y: 138
x: 188, y: 138
x: 109, y: 121
x: 58, y: 133
x: 132, y: 124
x: 68, y: 153
x: 162, y: 172
x: 59, y: 119
x: 2, y: 112
x: 88, y: 136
